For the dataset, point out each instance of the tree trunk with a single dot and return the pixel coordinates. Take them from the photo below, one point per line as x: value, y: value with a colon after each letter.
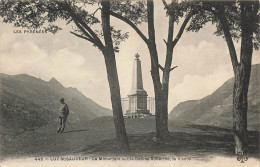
x: 164, y: 102
x: 165, y: 79
x: 116, y: 102
x: 162, y: 131
x: 113, y: 79
x: 240, y: 110
x: 242, y: 70
x: 161, y: 107
x: 242, y: 76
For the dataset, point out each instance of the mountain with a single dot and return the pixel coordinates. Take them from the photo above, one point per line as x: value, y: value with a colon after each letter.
x: 28, y: 102
x: 216, y: 109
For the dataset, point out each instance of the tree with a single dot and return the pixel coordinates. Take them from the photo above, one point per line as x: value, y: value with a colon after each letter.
x: 34, y: 14
x: 235, y: 20
x: 134, y: 13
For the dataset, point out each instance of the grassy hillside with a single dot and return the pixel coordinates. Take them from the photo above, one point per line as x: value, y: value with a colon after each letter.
x: 28, y: 102
x: 216, y: 109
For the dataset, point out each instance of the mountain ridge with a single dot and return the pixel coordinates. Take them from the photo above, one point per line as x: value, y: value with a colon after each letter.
x: 27, y: 99
x: 53, y: 81
x: 216, y: 108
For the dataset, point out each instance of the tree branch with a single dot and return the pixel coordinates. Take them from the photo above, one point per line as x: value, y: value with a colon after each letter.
x: 80, y: 20
x: 185, y: 22
x: 84, y: 31
x: 80, y: 36
x: 160, y: 67
x: 170, y: 28
x: 173, y: 68
x: 129, y: 23
x: 95, y: 11
x: 150, y: 17
x: 165, y: 42
x: 151, y: 35
x: 230, y: 43
x: 165, y: 4
x: 95, y: 37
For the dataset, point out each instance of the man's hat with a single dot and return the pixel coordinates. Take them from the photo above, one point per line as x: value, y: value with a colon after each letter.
x: 62, y: 99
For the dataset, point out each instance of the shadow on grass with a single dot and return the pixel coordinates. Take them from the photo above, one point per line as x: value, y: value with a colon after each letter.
x: 80, y: 130
x: 209, y: 141
x: 209, y: 128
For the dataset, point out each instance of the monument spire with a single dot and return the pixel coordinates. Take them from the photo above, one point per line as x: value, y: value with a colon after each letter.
x: 137, y: 96
x: 137, y: 79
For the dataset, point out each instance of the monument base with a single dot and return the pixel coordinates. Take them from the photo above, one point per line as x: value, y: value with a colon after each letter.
x: 137, y: 114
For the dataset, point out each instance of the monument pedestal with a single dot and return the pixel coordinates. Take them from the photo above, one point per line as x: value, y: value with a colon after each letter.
x: 137, y: 96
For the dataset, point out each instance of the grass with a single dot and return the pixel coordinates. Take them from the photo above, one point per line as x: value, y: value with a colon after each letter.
x: 97, y: 137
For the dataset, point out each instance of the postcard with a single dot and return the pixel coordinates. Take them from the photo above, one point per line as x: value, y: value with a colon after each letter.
x: 129, y: 83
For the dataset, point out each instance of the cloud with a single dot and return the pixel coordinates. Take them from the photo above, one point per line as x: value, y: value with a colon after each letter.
x: 27, y: 57
x: 196, y: 87
x: 66, y: 66
x: 21, y: 57
x: 203, y: 60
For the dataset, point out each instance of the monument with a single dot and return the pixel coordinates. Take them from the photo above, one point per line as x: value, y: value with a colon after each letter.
x: 137, y: 96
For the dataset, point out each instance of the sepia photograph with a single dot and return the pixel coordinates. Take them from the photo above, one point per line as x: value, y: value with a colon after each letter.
x: 129, y: 83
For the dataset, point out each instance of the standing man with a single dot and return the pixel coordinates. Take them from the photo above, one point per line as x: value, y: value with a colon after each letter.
x: 63, y: 114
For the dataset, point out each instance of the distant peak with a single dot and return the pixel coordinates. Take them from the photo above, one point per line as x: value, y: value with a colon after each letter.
x: 53, y: 81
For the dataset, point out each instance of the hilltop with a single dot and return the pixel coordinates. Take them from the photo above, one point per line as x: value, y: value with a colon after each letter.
x: 28, y: 103
x: 216, y: 109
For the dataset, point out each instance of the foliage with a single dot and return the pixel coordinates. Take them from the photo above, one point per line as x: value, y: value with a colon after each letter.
x: 132, y: 10
x: 212, y: 11
x: 34, y: 14
x: 179, y: 9
x: 118, y: 37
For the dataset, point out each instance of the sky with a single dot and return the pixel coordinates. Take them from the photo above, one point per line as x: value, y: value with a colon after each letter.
x: 202, y: 58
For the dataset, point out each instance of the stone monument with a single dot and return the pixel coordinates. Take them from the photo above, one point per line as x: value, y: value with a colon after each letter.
x: 137, y: 96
